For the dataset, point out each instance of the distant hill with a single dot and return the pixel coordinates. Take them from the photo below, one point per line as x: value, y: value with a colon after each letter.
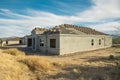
x: 116, y: 39
x: 114, y: 35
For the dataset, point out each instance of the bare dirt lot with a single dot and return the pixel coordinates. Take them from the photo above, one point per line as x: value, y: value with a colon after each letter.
x: 91, y: 65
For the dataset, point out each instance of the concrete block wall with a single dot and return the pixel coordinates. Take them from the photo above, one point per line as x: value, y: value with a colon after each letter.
x: 75, y: 43
x: 70, y: 43
x: 46, y: 48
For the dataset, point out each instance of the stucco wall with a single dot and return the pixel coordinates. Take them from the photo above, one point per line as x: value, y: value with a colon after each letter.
x: 46, y: 48
x: 25, y: 40
x: 3, y: 43
x: 13, y: 42
x: 34, y: 45
x: 75, y: 43
x: 108, y: 41
x: 35, y: 42
x: 42, y: 48
x: 53, y: 50
x: 28, y: 37
x: 70, y: 43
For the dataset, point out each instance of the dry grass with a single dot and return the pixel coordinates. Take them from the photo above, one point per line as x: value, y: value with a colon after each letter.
x: 41, y: 66
x: 95, y: 65
x: 58, y: 64
x: 14, y: 67
x: 11, y: 69
x: 13, y: 51
x: 37, y: 63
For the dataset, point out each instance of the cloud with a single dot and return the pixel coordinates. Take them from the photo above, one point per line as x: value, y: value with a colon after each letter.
x: 101, y: 11
x: 109, y: 26
x: 8, y: 31
x: 11, y: 14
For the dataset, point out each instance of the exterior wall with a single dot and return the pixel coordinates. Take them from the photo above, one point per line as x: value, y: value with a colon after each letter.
x: 26, y: 39
x: 74, y: 43
x: 3, y: 43
x: 69, y: 43
x: 22, y: 41
x: 34, y: 42
x: 108, y: 41
x: 13, y: 42
x: 42, y: 48
x: 55, y: 50
x: 46, y: 48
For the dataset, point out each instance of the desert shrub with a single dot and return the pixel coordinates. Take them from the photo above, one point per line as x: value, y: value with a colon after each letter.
x: 111, y: 57
x: 13, y: 51
x: 118, y: 67
x: 116, y: 45
x: 81, y: 78
x: 38, y: 64
x: 116, y: 71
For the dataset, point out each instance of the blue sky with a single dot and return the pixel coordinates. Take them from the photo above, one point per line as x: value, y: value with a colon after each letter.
x: 19, y: 17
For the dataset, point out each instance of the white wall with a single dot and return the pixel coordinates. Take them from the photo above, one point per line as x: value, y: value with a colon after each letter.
x: 13, y: 42
x: 74, y: 43
x: 71, y: 43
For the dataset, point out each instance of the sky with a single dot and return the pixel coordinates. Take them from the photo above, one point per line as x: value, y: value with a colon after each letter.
x: 19, y: 17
